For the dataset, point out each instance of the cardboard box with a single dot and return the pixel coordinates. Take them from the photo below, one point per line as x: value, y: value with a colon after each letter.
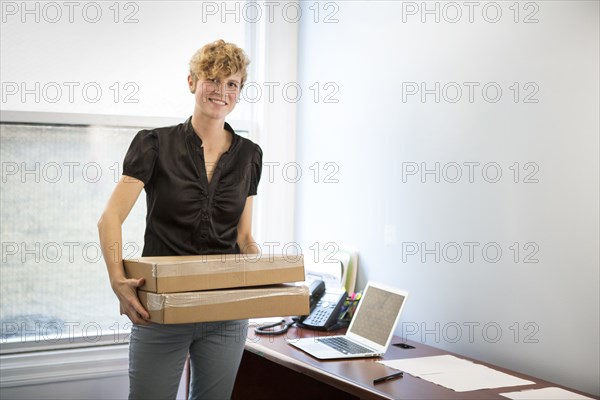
x: 192, y: 273
x: 221, y: 305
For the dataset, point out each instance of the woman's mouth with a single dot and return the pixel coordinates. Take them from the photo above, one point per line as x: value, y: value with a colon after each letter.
x: 217, y: 102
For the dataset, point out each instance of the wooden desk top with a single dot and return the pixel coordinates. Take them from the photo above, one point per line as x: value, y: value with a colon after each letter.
x: 356, y: 376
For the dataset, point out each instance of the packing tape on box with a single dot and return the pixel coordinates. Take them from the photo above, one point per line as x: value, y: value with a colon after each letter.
x: 244, y: 262
x: 156, y: 302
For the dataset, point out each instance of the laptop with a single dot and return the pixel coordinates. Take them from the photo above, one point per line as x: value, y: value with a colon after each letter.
x: 369, y: 333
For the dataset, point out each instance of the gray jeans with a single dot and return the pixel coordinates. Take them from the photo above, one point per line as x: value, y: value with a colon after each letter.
x: 157, y: 355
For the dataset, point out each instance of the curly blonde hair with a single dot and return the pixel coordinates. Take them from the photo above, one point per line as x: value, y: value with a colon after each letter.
x: 219, y: 59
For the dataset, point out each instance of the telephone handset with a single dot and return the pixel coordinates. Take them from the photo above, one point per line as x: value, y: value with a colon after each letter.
x: 325, y: 307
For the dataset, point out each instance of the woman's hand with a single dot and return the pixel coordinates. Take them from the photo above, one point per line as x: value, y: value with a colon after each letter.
x: 126, y: 291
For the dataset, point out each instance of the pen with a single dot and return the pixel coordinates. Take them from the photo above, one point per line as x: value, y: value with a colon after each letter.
x: 389, y: 377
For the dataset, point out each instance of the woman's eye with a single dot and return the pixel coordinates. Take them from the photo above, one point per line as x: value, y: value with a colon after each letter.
x: 233, y: 85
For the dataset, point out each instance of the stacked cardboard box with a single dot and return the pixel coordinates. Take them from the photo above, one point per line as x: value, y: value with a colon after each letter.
x: 184, y: 289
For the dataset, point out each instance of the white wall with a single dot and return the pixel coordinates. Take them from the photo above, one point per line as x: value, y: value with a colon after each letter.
x: 547, y: 311
x: 86, y: 373
x: 77, y: 373
x: 125, y: 58
x: 98, y: 388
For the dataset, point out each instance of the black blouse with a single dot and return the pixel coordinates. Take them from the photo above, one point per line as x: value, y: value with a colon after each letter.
x: 185, y: 214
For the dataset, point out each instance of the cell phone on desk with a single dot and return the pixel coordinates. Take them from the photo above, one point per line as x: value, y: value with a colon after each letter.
x: 325, y: 307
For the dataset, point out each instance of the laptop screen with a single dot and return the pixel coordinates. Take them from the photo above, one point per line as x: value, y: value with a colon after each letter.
x: 377, y: 313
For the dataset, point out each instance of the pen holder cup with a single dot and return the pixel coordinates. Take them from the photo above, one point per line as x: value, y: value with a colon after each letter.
x: 348, y: 310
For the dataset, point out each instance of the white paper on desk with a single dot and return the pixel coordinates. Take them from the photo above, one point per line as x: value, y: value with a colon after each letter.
x: 475, y: 378
x: 428, y: 365
x: 549, y: 393
x: 455, y: 373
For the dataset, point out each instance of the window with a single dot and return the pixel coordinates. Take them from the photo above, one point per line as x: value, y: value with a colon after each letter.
x: 56, y: 180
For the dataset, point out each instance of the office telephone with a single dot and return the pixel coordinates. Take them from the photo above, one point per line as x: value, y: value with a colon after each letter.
x: 325, y: 307
x: 329, y: 309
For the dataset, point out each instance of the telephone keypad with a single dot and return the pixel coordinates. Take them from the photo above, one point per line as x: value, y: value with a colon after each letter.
x: 325, y: 310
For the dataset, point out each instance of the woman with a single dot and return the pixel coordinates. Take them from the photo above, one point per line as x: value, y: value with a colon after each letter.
x: 199, y: 178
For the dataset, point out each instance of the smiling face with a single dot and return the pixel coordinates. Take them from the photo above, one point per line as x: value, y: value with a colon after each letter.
x: 217, y: 72
x: 215, y: 97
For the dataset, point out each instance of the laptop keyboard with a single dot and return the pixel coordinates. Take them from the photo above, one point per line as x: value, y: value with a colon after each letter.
x: 345, y: 346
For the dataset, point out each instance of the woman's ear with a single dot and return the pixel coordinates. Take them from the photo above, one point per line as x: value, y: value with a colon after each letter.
x: 192, y: 83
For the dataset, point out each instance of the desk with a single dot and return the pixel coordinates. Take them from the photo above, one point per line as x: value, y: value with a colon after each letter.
x: 272, y: 369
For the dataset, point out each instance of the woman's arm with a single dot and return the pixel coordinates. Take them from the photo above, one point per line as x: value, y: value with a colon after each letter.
x: 119, y: 205
x: 245, y: 240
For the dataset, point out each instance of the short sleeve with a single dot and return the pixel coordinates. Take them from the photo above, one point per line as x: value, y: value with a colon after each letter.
x: 256, y: 171
x: 141, y: 156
